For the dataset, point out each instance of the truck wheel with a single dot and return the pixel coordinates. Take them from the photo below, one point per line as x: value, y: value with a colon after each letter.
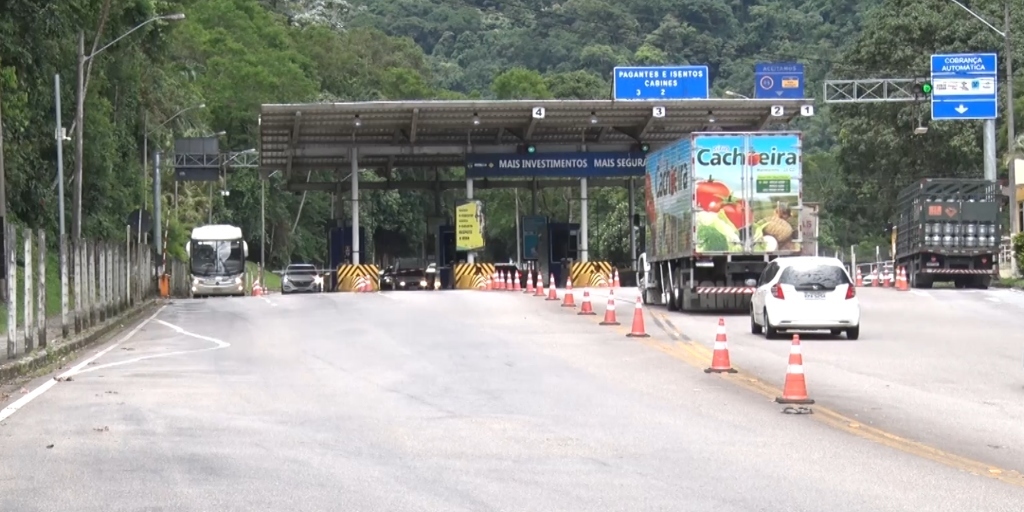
x: 982, y: 282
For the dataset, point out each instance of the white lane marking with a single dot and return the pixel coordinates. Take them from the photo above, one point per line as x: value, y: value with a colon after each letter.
x: 920, y: 293
x: 268, y: 301
x: 219, y: 345
x: 993, y: 299
x: 44, y: 387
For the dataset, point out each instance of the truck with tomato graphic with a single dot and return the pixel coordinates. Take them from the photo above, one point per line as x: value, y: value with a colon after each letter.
x: 720, y: 206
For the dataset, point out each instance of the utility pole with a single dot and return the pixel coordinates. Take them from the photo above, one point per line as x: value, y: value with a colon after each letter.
x: 76, y: 221
x: 1011, y: 136
x: 3, y: 201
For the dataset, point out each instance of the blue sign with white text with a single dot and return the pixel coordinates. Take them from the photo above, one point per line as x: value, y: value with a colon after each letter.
x: 661, y: 83
x: 964, y: 86
x: 556, y: 165
x: 779, y: 80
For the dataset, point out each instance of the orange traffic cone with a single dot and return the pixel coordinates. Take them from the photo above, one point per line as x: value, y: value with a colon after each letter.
x: 540, y: 287
x: 795, y: 389
x: 901, y: 283
x: 494, y: 281
x: 529, y: 282
x: 508, y: 281
x: 638, y: 321
x: 586, y: 308
x: 720, y: 359
x: 615, y: 280
x: 256, y: 289
x: 568, y: 301
x: 552, y: 294
x: 859, y: 279
x: 609, y: 312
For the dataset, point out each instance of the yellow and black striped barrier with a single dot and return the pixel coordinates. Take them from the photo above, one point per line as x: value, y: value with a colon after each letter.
x: 592, y: 274
x: 349, y: 275
x: 473, y: 276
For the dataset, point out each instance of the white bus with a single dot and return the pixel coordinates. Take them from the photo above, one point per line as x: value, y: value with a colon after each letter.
x: 217, y: 260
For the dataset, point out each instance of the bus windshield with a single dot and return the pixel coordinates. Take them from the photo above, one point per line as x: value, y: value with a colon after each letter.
x: 217, y: 258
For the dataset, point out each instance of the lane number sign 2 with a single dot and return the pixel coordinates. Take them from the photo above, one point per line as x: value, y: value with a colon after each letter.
x: 778, y: 111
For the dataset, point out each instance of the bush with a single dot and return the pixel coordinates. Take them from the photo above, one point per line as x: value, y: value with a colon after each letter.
x: 1018, y: 251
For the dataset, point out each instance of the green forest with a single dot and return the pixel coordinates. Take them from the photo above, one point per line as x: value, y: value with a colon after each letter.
x: 233, y: 55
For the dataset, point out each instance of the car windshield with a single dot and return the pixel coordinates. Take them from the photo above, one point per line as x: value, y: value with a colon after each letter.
x: 300, y: 270
x: 826, y: 276
x: 410, y: 263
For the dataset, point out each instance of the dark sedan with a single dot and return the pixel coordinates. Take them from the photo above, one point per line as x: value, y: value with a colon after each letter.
x: 408, y: 275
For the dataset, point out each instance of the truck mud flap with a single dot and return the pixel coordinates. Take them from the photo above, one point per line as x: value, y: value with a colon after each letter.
x: 732, y: 299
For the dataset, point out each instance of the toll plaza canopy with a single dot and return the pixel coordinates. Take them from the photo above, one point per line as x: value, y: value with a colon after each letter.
x: 424, y: 134
x: 349, y: 137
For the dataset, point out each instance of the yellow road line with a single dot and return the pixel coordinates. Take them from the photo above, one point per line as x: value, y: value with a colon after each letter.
x: 699, y: 356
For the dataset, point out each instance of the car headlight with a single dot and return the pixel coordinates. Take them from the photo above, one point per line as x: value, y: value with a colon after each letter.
x: 238, y: 280
x: 423, y: 282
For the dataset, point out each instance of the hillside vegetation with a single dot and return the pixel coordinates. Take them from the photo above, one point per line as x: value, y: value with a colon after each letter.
x: 233, y: 55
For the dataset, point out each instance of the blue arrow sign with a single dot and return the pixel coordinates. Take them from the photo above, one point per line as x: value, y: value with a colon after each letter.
x: 780, y: 80
x: 661, y: 83
x: 964, y: 86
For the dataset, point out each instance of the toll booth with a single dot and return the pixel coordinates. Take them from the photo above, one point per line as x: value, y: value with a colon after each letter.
x: 447, y: 256
x: 340, y: 249
x: 563, y: 245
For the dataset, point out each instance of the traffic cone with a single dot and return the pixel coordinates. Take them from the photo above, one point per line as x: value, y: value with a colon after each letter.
x: 508, y: 281
x: 886, y: 283
x: 609, y: 312
x: 256, y: 289
x: 568, y: 301
x: 638, y: 330
x: 859, y: 279
x: 795, y: 389
x: 494, y: 281
x: 720, y: 359
x: 901, y: 283
x: 539, y: 291
x: 615, y: 280
x: 529, y: 282
x: 552, y: 294
x: 586, y: 308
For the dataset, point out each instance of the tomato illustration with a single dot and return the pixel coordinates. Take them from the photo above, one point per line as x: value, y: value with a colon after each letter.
x: 709, y: 191
x: 714, y: 206
x: 736, y: 211
x: 753, y: 158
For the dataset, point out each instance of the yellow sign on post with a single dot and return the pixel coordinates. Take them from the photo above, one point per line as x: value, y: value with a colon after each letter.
x: 469, y: 226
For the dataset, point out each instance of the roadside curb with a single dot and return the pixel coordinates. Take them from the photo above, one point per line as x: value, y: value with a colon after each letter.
x: 40, y: 358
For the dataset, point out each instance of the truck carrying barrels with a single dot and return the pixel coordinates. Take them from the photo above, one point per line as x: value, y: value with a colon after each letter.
x: 947, y: 230
x: 720, y: 206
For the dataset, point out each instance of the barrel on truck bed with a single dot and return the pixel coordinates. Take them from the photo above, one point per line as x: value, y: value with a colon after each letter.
x: 947, y: 230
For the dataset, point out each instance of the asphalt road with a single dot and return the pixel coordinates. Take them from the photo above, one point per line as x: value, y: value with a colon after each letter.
x: 944, y: 367
x: 433, y: 401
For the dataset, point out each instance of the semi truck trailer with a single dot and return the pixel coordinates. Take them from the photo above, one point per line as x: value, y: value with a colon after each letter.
x: 720, y: 206
x: 947, y: 230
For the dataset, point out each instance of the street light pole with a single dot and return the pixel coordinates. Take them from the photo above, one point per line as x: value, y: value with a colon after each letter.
x: 80, y: 111
x: 76, y: 219
x: 1011, y: 136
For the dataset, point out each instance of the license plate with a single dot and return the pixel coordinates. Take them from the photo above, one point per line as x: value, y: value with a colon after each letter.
x: 814, y: 295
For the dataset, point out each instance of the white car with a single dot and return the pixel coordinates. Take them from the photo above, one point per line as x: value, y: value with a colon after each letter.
x: 805, y: 293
